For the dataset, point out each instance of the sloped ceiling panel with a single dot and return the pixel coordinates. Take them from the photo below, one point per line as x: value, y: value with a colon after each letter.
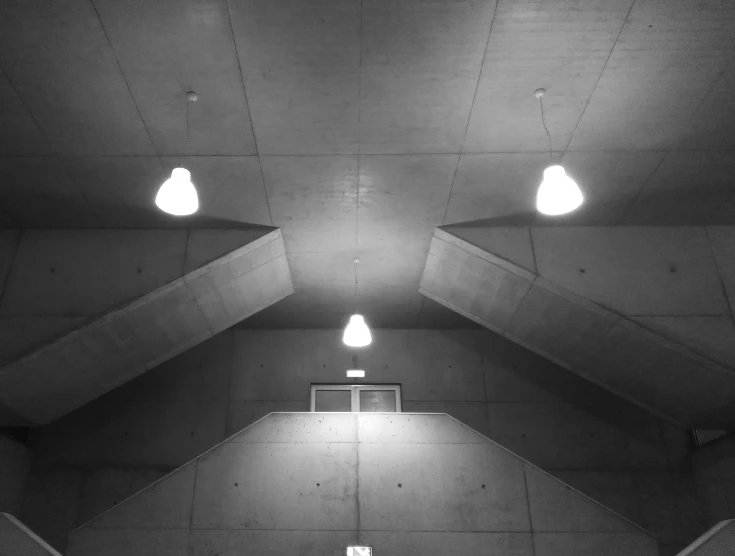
x: 111, y: 330
x: 584, y: 299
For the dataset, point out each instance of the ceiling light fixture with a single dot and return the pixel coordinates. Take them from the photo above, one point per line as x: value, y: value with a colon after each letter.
x: 357, y: 333
x: 558, y: 193
x: 177, y: 195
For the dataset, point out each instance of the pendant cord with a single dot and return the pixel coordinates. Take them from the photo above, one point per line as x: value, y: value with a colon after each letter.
x: 356, y: 260
x: 187, y: 118
x: 543, y: 121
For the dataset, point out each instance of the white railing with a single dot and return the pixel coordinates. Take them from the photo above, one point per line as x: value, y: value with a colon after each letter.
x: 18, y: 540
x: 718, y: 541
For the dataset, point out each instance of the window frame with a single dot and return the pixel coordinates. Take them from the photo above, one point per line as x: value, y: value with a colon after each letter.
x: 355, y: 394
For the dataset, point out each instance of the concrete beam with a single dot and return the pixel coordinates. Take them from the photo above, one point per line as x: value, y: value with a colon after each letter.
x: 130, y: 300
x: 584, y: 301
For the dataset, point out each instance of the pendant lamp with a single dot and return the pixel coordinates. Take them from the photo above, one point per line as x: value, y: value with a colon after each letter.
x: 177, y: 195
x: 558, y: 193
x: 357, y: 333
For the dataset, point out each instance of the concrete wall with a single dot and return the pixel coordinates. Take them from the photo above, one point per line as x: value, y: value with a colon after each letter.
x: 714, y: 472
x: 617, y: 453
x: 15, y: 463
x: 135, y: 298
x: 405, y: 485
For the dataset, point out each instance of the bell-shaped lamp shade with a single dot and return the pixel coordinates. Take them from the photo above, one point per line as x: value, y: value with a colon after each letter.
x: 177, y: 195
x: 557, y: 194
x: 357, y: 334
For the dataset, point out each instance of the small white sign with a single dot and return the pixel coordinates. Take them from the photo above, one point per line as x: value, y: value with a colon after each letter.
x: 359, y: 551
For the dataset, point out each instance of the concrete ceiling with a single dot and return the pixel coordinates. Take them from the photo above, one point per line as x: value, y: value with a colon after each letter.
x: 358, y: 126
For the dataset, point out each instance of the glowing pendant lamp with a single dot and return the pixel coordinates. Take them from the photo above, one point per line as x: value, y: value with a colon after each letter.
x: 558, y: 193
x: 357, y: 333
x: 177, y: 195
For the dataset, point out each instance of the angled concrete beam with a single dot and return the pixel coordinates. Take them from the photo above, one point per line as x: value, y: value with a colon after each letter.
x: 597, y: 342
x: 200, y: 297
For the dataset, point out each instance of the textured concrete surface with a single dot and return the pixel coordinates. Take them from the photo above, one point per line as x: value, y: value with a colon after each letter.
x: 357, y: 127
x: 17, y: 540
x: 607, y: 448
x: 15, y: 463
x: 714, y: 471
x: 718, y: 540
x: 623, y: 307
x: 342, y: 482
x: 142, y: 298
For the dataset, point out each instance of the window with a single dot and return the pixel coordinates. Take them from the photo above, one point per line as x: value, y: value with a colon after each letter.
x: 385, y: 398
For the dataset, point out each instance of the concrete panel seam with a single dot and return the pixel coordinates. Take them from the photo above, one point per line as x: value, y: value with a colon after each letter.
x: 528, y: 463
x: 193, y: 494
x: 150, y: 486
x: 6, y: 278
x: 533, y: 249
x: 186, y: 252
x: 642, y: 187
x: 127, y: 85
x: 483, y: 255
x: 479, y: 76
x: 719, y: 272
x: 599, y: 77
x: 195, y: 274
x: 262, y: 241
x: 245, y: 94
x: 528, y: 509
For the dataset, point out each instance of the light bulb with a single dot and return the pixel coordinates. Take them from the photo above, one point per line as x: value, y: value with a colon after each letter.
x: 178, y: 195
x: 357, y: 334
x: 557, y: 194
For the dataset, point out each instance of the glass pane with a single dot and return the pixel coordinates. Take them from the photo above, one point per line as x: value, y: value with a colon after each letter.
x: 377, y: 400
x: 333, y: 400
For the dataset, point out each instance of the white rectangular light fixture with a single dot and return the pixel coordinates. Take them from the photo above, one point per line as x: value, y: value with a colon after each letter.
x: 359, y: 551
x: 355, y: 373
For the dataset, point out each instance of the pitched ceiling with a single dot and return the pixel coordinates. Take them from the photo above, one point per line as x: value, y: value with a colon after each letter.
x: 357, y: 126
